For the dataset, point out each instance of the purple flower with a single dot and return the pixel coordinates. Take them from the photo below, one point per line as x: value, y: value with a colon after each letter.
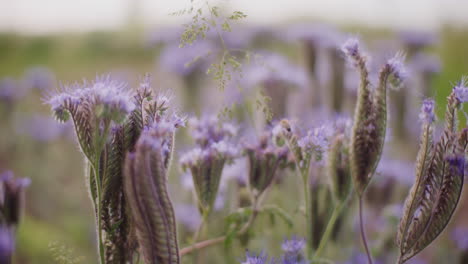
x: 293, y: 246
x: 7, y: 244
x: 426, y: 63
x: 209, y: 130
x: 10, y: 91
x: 251, y: 258
x: 43, y: 128
x: 315, y: 34
x: 40, y: 78
x: 273, y: 69
x: 417, y: 39
x: 351, y: 47
x: 187, y: 59
x: 316, y: 140
x: 461, y: 91
x: 460, y: 237
x: 188, y: 216
x: 397, y: 67
x: 427, y: 111
x: 107, y: 98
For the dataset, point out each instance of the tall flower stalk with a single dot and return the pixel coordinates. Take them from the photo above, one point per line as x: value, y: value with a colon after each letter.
x: 108, y: 118
x: 370, y: 120
x: 439, y: 180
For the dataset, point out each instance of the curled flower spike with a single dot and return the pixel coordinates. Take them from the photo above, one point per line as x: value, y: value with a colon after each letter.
x: 12, y: 198
x: 264, y: 159
x: 207, y: 160
x: 439, y: 181
x: 461, y: 91
x: 149, y: 201
x: 369, y: 128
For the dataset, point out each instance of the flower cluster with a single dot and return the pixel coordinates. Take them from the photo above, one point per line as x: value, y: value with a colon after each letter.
x: 206, y: 161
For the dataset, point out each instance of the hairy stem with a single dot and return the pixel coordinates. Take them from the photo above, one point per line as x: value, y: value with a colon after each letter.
x: 98, y: 207
x: 329, y: 229
x: 363, y: 235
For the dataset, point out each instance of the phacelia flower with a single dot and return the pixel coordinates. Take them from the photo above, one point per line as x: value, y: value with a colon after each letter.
x: 293, y: 246
x: 251, y: 258
x: 427, y: 111
x: 397, y: 67
x: 264, y: 158
x: 461, y: 91
x: 40, y: 78
x: 316, y: 141
x: 351, y: 49
x: 206, y: 161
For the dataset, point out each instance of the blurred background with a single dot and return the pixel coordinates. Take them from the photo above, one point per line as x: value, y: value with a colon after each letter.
x: 46, y: 43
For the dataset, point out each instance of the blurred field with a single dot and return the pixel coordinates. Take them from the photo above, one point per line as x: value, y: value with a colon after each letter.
x: 58, y: 209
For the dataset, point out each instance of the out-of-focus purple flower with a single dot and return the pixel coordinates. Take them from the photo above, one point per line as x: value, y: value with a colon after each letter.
x: 40, y: 78
x: 188, y: 215
x: 293, y: 246
x: 11, y: 197
x: 316, y: 34
x: 461, y: 91
x: 274, y: 69
x: 164, y: 35
x: 44, y: 128
x: 7, y: 244
x: 316, y: 139
x: 425, y: 63
x: 416, y: 40
x: 10, y: 90
x: 351, y: 47
x: 460, y: 237
x: 427, y: 111
x: 187, y: 59
x: 397, y: 67
x: 399, y: 170
x: 208, y: 130
x: 252, y: 258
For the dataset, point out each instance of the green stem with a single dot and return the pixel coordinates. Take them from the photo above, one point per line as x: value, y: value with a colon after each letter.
x: 98, y: 206
x: 328, y: 231
x: 307, y: 212
x: 100, y: 144
x: 363, y: 235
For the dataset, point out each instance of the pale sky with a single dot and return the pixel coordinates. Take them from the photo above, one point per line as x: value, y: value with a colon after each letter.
x: 42, y: 16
